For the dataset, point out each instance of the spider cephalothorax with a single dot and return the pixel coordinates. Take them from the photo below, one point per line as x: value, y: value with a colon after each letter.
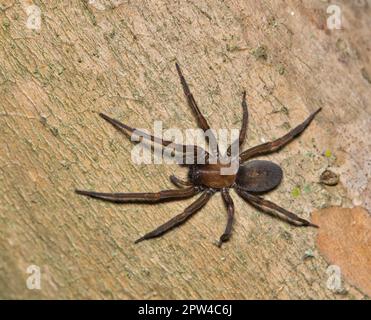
x: 251, y: 179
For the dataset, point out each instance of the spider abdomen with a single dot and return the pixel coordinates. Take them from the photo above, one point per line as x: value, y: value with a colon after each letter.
x: 259, y: 176
x: 212, y: 175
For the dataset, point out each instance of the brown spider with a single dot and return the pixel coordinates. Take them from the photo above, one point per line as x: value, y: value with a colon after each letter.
x: 254, y: 177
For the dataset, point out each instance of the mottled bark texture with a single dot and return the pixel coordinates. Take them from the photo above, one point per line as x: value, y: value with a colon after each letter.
x: 80, y: 58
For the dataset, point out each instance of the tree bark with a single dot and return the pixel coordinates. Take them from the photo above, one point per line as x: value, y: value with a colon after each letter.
x: 62, y: 63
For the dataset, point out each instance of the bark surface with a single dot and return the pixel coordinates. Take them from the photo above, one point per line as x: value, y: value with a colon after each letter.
x: 64, y: 62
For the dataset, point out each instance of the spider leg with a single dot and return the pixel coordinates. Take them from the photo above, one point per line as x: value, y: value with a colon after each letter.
x: 201, y: 121
x: 268, y: 206
x: 180, y: 218
x: 180, y: 183
x: 245, y: 117
x: 279, y: 143
x: 230, y: 210
x: 183, y: 148
x: 142, y: 196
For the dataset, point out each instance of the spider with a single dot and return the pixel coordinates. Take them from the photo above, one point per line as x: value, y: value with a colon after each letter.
x: 252, y: 178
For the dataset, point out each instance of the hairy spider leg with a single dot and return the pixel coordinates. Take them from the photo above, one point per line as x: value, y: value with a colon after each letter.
x: 183, y: 148
x: 228, y: 202
x: 152, y: 197
x: 275, y: 145
x: 201, y: 121
x: 268, y: 206
x: 245, y: 118
x: 180, y: 218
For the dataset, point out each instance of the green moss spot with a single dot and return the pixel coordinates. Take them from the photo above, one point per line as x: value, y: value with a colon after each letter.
x: 54, y: 131
x: 328, y: 153
x: 6, y: 23
x: 281, y: 69
x: 286, y: 126
x: 308, y: 254
x: 307, y: 188
x: 260, y: 52
x: 309, y: 154
x: 295, y: 192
